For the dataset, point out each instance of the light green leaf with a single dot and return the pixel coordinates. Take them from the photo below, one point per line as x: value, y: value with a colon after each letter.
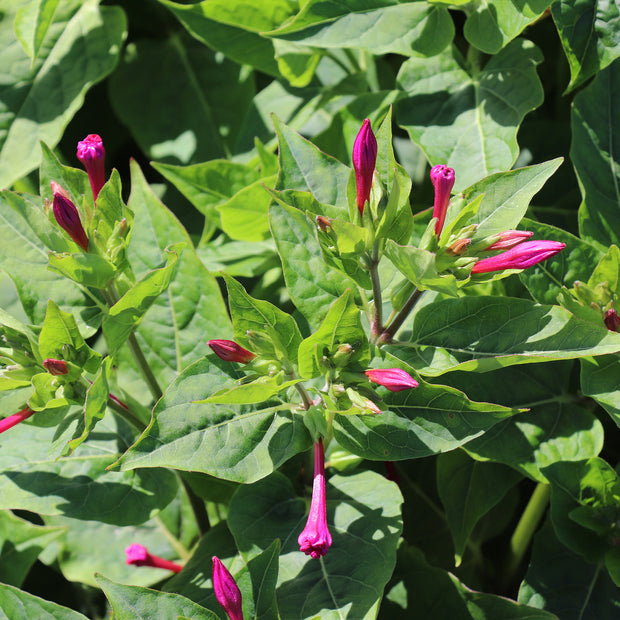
x: 470, y: 121
x: 589, y: 31
x: 484, y: 333
x: 365, y: 534
x: 257, y: 391
x: 82, y: 46
x: 15, y: 603
x: 227, y: 441
x: 595, y: 154
x: 379, y: 26
x: 32, y: 21
x: 86, y: 269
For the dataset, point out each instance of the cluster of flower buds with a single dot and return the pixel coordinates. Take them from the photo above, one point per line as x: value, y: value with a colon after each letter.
x: 137, y: 555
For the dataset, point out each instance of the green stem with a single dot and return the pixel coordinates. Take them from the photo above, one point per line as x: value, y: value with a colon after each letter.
x: 376, y: 325
x: 395, y: 325
x: 198, y: 507
x: 305, y: 397
x: 522, y: 536
x: 126, y: 414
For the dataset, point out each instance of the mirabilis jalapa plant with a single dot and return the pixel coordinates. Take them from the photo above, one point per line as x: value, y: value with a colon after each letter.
x: 353, y: 385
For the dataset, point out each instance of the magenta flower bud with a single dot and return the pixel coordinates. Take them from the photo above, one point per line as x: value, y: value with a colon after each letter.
x: 508, y: 239
x: 91, y: 153
x: 15, y: 419
x: 612, y: 320
x: 230, y: 351
x: 55, y: 367
x: 315, y: 539
x: 394, y: 379
x: 522, y: 256
x: 68, y: 217
x: 364, y: 160
x: 137, y: 555
x: 226, y: 589
x: 442, y: 179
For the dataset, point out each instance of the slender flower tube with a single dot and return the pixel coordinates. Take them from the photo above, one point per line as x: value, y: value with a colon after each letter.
x: 394, y: 379
x: 315, y: 538
x: 442, y: 179
x: 55, y: 367
x: 227, y: 591
x: 509, y: 238
x: 15, y: 419
x: 137, y: 555
x: 68, y: 217
x: 230, y: 351
x: 364, y: 160
x: 612, y: 320
x: 522, y: 256
x: 91, y: 153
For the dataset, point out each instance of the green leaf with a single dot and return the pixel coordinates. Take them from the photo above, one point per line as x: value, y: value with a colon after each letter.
x: 60, y: 338
x: 584, y: 506
x: 304, y: 167
x: 416, y: 423
x: 257, y: 391
x: 203, y: 123
x: 545, y: 280
x: 342, y: 325
x: 82, y: 46
x: 555, y: 429
x: 588, y: 30
x: 507, y: 331
x: 25, y: 232
x: 86, y: 269
x: 15, y: 603
x: 599, y: 380
x: 262, y: 317
x: 468, y: 490
x: 232, y: 27
x: 131, y: 602
x: 349, y: 580
x: 432, y: 592
x: 78, y: 486
x: 21, y: 542
x: 495, y: 23
x: 594, y: 153
x: 32, y: 21
x: 128, y: 311
x: 379, y: 26
x: 470, y: 121
x: 175, y: 330
x: 227, y: 441
x: 591, y: 594
x: 311, y: 283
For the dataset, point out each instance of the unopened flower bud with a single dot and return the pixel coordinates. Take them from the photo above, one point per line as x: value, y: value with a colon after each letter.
x: 55, y: 367
x: 522, y: 256
x: 230, y: 351
x: 137, y: 555
x: 364, y: 160
x: 68, y: 217
x: 91, y: 153
x: 226, y: 590
x: 394, y: 379
x: 442, y: 179
x: 459, y: 247
x: 508, y: 239
x: 612, y: 320
x: 324, y: 223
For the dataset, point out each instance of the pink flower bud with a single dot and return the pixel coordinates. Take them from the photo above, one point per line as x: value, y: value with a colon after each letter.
x: 612, y: 320
x: 68, y: 217
x: 442, y: 179
x: 394, y: 379
x: 15, y: 419
x: 364, y: 160
x: 91, y: 153
x: 508, y: 239
x: 230, y: 351
x: 315, y: 538
x: 521, y: 256
x: 55, y: 367
x: 227, y: 591
x: 137, y: 555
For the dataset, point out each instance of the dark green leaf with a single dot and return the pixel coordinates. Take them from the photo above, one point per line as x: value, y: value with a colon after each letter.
x: 599, y: 379
x: 15, y: 603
